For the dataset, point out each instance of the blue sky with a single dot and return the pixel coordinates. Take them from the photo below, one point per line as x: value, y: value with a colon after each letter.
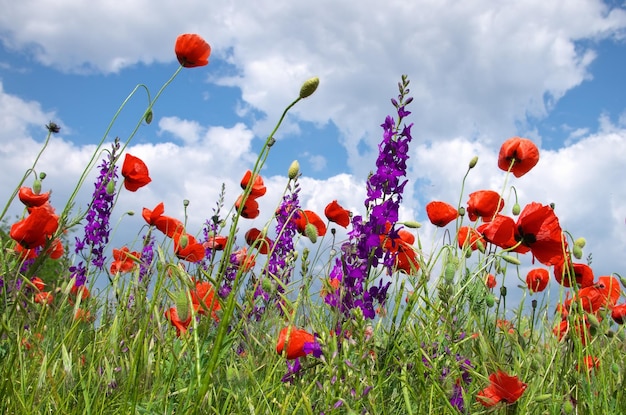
x: 480, y: 73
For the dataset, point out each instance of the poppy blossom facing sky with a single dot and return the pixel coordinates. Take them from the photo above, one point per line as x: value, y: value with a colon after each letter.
x: 522, y: 152
x: 191, y: 50
x: 335, y: 213
x: 441, y: 213
x: 135, y: 173
x: 294, y: 346
x: 502, y: 387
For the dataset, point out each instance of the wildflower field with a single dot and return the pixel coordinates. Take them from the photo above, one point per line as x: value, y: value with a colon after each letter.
x: 333, y: 312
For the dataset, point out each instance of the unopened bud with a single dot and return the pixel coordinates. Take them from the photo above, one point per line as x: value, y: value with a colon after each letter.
x: 473, y: 162
x: 615, y: 368
x: 182, y: 305
x: 267, y: 286
x: 308, y: 87
x: 294, y: 170
x: 185, y: 202
x: 542, y: 398
x: 516, y: 209
x: 461, y: 211
x: 593, y: 320
x: 481, y: 246
x: 577, y: 251
x: 183, y: 241
x: 580, y: 242
x: 111, y: 187
x: 511, y: 260
x: 623, y: 281
x: 503, y: 291
x: 568, y: 407
x: 311, y: 232
x: 131, y: 213
x: 148, y: 117
x: 448, y: 273
x: 42, y: 175
x: 490, y: 300
x: 412, y: 224
x: 37, y: 186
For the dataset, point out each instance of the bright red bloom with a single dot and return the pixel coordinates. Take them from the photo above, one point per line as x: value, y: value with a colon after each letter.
x: 484, y: 204
x: 441, y: 213
x: 192, y: 51
x: 180, y: 325
x: 590, y: 362
x: 335, y: 213
x: 36, y: 228
x: 135, y: 173
x: 522, y: 152
x: 468, y: 236
x: 44, y: 297
x: 80, y: 290
x: 38, y: 283
x: 405, y: 255
x: 124, y: 260
x: 258, y: 188
x: 537, y: 230
x: 187, y: 248
x: 502, y: 388
x: 308, y: 216
x: 203, y: 299
x: 250, y: 208
x: 581, y: 273
x: 490, y: 281
x: 537, y: 279
x: 166, y: 224
x: 294, y: 346
x: 55, y: 251
x: 30, y: 199
x: 619, y: 313
x: 262, y: 243
x: 241, y: 258
x: 217, y: 243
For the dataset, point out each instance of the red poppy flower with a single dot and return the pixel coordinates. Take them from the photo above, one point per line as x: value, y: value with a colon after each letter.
x: 484, y: 204
x: 250, y: 208
x: 257, y: 189
x: 581, y: 273
x: 609, y: 288
x: 589, y: 363
x: 36, y: 228
x: 502, y: 388
x: 31, y: 199
x: 56, y: 250
x: 25, y: 253
x: 406, y: 259
x: 262, y: 243
x: 619, y: 313
x: 537, y: 230
x: 166, y: 224
x: 135, y: 173
x: 581, y: 328
x: 80, y: 290
x: 295, y: 340
x: 217, y: 243
x: 124, y: 260
x: 490, y: 281
x: 308, y: 216
x: 192, y: 51
x: 537, y: 279
x: 187, y: 248
x: 522, y: 152
x: 441, y: 213
x: 44, y: 297
x: 335, y: 213
x: 174, y: 319
x: 203, y: 299
x: 241, y: 258
x: 468, y: 236
x: 38, y: 283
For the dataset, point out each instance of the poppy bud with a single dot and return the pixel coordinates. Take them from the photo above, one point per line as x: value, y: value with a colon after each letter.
x: 473, y: 162
x: 615, y: 368
x: 593, y: 320
x: 511, y: 260
x: 308, y: 87
x: 267, y: 285
x: 111, y: 188
x: 577, y: 251
x: 490, y: 300
x: 294, y: 170
x: 568, y: 407
x: 412, y: 224
x: 581, y: 242
x: 185, y: 202
x: 182, y: 305
x: 37, y: 186
x: 623, y: 281
x: 480, y: 246
x: 183, y: 241
x: 516, y: 209
x: 42, y: 175
x: 148, y: 117
x: 311, y: 232
x: 271, y: 141
x: 543, y: 398
x: 131, y: 213
x: 503, y: 291
x: 448, y: 273
x: 461, y: 211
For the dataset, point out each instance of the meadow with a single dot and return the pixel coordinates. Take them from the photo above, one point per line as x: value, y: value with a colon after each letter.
x: 328, y: 312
